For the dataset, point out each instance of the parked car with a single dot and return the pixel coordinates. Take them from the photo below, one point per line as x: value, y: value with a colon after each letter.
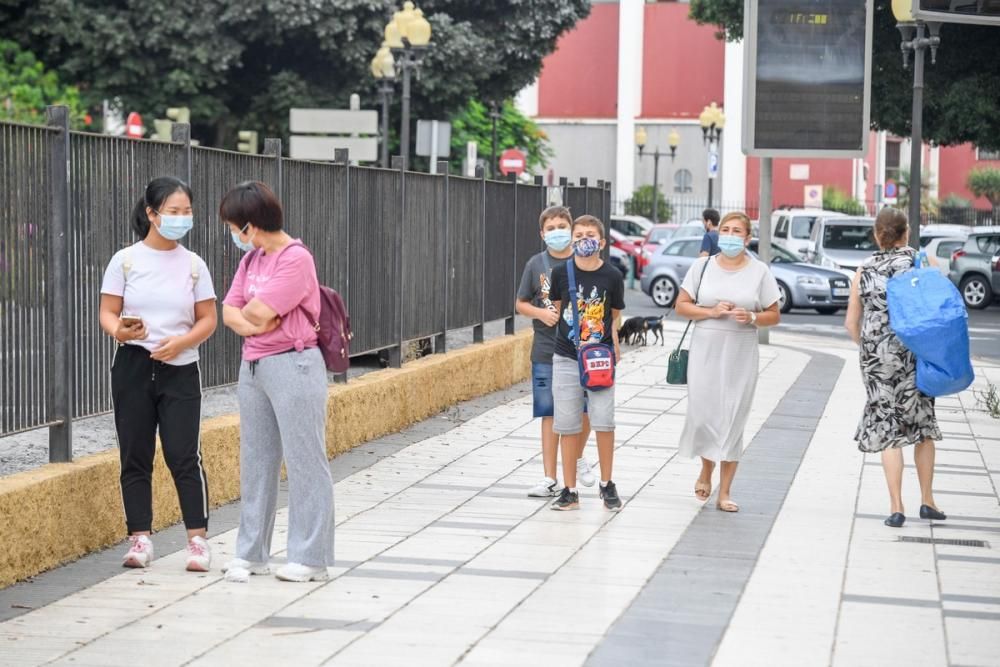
x: 841, y: 243
x: 939, y: 250
x: 657, y: 237
x: 792, y: 227
x: 930, y: 232
x: 633, y: 226
x: 971, y: 270
x: 806, y: 285
x: 689, y: 229
x: 665, y: 271
x: 619, y: 259
x: 630, y: 247
x: 995, y: 264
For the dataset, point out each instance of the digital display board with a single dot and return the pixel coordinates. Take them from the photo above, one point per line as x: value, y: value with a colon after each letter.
x: 982, y: 12
x: 807, y: 77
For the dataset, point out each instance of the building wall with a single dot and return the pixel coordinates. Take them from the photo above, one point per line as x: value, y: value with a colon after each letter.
x: 683, y: 63
x: 788, y: 192
x: 955, y: 164
x: 580, y: 79
x: 582, y: 148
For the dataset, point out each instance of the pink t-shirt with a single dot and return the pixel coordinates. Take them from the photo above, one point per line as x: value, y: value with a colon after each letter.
x: 286, y: 282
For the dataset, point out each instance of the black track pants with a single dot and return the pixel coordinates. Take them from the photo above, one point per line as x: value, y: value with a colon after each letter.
x: 147, y: 395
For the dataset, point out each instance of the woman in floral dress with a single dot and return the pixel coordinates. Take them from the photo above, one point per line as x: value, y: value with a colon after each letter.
x: 896, y: 414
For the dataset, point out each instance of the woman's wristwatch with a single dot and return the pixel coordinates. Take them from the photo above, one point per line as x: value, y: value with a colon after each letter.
x: 753, y: 318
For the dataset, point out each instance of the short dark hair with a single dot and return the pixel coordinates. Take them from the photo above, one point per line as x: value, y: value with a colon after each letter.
x: 554, y: 212
x: 252, y: 202
x: 156, y: 193
x: 711, y: 215
x: 590, y: 221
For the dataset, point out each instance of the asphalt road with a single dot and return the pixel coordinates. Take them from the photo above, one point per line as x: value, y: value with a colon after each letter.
x: 984, y: 325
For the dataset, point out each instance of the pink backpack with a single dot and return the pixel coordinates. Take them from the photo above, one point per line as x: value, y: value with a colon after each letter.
x: 333, y: 329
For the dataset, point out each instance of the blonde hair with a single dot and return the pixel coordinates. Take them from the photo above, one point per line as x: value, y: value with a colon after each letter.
x: 742, y: 217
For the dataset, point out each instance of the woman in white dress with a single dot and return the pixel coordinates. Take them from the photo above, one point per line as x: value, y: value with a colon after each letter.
x: 727, y: 296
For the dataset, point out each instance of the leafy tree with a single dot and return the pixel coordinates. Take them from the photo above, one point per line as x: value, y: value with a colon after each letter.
x: 835, y: 199
x: 961, y: 91
x: 26, y: 88
x: 929, y: 206
x: 514, y: 130
x: 985, y: 182
x: 243, y: 64
x: 641, y: 203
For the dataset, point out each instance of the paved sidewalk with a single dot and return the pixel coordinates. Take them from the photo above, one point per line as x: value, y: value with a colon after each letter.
x: 442, y: 559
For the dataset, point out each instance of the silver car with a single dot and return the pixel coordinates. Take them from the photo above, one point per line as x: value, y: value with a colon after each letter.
x: 841, y: 244
x: 806, y: 285
x: 663, y: 275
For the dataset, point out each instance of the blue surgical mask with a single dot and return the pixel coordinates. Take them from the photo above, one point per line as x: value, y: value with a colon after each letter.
x: 245, y: 246
x: 586, y: 247
x: 174, y: 227
x: 731, y: 246
x: 558, y: 239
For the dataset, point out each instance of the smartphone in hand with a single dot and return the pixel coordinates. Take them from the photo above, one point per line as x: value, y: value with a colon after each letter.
x: 131, y: 321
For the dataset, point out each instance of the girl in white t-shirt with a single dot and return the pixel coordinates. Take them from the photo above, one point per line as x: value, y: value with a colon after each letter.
x: 158, y: 303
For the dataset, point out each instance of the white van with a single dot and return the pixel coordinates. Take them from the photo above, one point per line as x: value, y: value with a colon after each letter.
x: 792, y: 227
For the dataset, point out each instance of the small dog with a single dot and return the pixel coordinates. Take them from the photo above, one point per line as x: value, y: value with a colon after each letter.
x: 632, y: 331
x: 654, y: 325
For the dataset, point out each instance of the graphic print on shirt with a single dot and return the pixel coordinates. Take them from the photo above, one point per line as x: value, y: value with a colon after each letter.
x: 544, y: 287
x: 592, y: 310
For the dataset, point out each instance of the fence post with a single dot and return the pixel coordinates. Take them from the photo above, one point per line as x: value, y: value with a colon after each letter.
x: 600, y: 214
x: 477, y: 330
x: 441, y: 340
x: 564, y: 191
x: 59, y: 393
x: 180, y: 133
x: 272, y: 148
x: 586, y: 196
x: 607, y: 201
x: 340, y: 156
x: 396, y: 353
x: 508, y: 324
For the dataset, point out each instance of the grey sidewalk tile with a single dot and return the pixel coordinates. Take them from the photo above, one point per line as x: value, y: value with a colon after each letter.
x: 974, y: 599
x: 316, y: 623
x: 894, y: 601
x: 962, y: 558
x: 978, y: 615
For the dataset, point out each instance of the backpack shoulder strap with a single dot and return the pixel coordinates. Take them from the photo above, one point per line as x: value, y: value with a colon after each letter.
x: 571, y: 280
x: 127, y: 262
x: 195, y: 271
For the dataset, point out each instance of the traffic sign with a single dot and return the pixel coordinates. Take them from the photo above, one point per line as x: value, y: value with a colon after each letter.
x: 713, y: 164
x: 813, y: 196
x: 891, y: 190
x: 513, y: 161
x: 133, y: 126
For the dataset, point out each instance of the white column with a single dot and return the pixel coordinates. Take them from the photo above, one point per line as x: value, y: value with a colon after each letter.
x: 527, y: 100
x: 734, y: 162
x: 934, y: 175
x: 630, y: 32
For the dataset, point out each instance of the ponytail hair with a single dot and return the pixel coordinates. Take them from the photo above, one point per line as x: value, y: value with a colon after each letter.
x: 156, y: 193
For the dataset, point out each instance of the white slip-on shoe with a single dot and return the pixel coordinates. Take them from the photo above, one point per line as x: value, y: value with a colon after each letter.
x: 546, y: 488
x: 199, y: 555
x: 140, y: 551
x: 584, y: 472
x: 301, y: 573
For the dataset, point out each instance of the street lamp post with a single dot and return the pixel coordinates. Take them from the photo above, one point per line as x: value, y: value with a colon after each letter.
x: 914, y: 39
x: 673, y: 140
x: 712, y: 120
x: 408, y: 35
x: 384, y: 70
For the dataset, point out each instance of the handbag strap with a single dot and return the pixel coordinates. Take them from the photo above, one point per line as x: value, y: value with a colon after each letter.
x: 696, y: 290
x: 571, y: 275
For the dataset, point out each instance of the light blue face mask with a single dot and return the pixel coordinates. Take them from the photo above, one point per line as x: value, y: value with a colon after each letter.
x: 731, y: 246
x: 245, y: 246
x: 174, y: 227
x: 558, y: 239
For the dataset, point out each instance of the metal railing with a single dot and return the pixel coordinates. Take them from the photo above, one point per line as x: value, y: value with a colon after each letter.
x: 414, y: 255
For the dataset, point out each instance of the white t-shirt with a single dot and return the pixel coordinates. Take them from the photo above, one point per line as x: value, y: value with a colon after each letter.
x: 159, y: 289
x: 752, y: 287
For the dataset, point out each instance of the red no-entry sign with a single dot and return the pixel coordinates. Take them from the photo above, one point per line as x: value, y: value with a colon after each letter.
x: 513, y: 161
x: 133, y: 126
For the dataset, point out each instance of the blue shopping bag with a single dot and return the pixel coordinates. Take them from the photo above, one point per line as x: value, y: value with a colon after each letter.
x: 927, y: 314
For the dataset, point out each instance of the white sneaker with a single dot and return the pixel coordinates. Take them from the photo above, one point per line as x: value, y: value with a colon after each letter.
x: 584, y: 474
x: 199, y: 555
x: 301, y: 573
x: 546, y: 488
x: 248, y: 565
x: 140, y: 551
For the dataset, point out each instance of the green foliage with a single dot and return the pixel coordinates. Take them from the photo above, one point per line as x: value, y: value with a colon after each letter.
x: 928, y: 204
x: 961, y: 91
x: 985, y: 182
x: 835, y: 199
x: 514, y: 130
x: 26, y: 88
x: 641, y: 203
x: 954, y: 201
x: 243, y: 65
x: 988, y: 400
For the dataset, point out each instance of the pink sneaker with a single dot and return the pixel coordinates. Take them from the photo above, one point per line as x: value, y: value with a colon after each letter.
x: 140, y: 551
x: 199, y: 555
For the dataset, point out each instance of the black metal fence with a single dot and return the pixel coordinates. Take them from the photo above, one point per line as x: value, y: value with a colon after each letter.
x: 414, y: 255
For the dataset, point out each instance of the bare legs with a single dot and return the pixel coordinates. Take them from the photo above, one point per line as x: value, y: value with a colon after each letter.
x: 569, y: 445
x: 550, y: 448
x: 728, y: 472
x: 552, y: 443
x: 703, y: 487
x: 892, y: 465
x: 923, y: 456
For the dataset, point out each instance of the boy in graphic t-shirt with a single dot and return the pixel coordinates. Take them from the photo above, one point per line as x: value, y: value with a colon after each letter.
x: 600, y: 296
x: 533, y: 301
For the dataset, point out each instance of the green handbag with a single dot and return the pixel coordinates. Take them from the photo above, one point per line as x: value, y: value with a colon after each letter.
x: 677, y: 362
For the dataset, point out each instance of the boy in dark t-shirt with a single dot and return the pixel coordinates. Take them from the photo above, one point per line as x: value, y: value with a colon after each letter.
x: 600, y: 295
x: 533, y: 301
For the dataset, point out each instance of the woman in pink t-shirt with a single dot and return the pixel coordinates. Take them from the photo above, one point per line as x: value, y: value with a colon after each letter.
x: 274, y: 303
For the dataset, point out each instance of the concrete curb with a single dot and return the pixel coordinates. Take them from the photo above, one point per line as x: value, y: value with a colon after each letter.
x: 59, y: 512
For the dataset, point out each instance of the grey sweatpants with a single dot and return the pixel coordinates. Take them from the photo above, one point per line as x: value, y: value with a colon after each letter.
x: 283, y: 411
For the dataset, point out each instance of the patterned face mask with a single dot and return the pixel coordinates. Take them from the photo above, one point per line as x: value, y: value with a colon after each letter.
x: 586, y: 247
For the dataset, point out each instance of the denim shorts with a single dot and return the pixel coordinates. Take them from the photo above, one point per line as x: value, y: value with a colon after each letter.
x: 541, y: 391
